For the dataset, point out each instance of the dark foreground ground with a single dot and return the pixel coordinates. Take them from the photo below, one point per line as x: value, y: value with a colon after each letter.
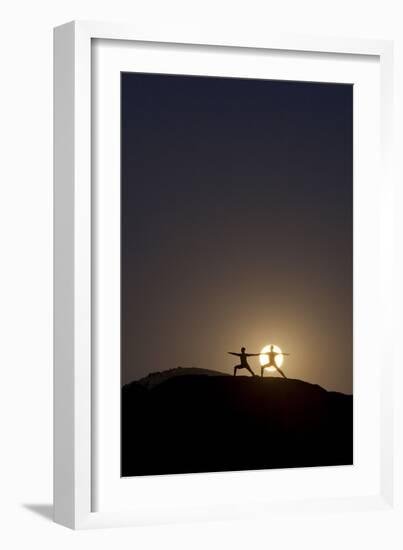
x: 203, y: 423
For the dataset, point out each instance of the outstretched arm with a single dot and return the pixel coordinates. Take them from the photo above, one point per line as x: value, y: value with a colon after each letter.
x: 233, y: 353
x: 252, y: 354
x: 283, y: 353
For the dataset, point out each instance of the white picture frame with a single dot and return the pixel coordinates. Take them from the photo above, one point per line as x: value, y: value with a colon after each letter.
x: 77, y: 473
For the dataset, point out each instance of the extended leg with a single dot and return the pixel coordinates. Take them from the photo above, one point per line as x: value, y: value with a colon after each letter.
x: 261, y: 371
x: 250, y: 370
x: 280, y: 371
x: 236, y: 368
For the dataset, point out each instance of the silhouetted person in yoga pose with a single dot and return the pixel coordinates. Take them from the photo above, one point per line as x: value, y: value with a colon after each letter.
x: 272, y: 361
x: 244, y: 360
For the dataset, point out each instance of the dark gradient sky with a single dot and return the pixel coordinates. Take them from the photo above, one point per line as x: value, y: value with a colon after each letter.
x: 237, y: 224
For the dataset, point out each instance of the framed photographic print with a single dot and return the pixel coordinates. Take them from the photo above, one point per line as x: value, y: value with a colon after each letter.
x: 222, y: 275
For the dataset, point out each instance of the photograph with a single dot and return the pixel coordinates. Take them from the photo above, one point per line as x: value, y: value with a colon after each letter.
x: 202, y: 268
x: 236, y: 273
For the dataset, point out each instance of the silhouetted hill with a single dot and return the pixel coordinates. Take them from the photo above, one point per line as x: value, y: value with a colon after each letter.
x: 199, y: 423
x: 155, y: 378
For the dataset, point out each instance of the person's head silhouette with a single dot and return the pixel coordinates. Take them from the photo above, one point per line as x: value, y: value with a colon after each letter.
x: 271, y: 348
x: 243, y: 350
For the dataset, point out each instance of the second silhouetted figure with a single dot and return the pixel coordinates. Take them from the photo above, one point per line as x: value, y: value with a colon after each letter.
x: 244, y: 360
x: 272, y: 361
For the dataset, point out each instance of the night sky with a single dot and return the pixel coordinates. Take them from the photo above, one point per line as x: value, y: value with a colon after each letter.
x: 237, y: 222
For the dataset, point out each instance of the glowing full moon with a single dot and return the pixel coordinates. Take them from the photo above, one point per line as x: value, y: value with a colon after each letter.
x: 264, y: 358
